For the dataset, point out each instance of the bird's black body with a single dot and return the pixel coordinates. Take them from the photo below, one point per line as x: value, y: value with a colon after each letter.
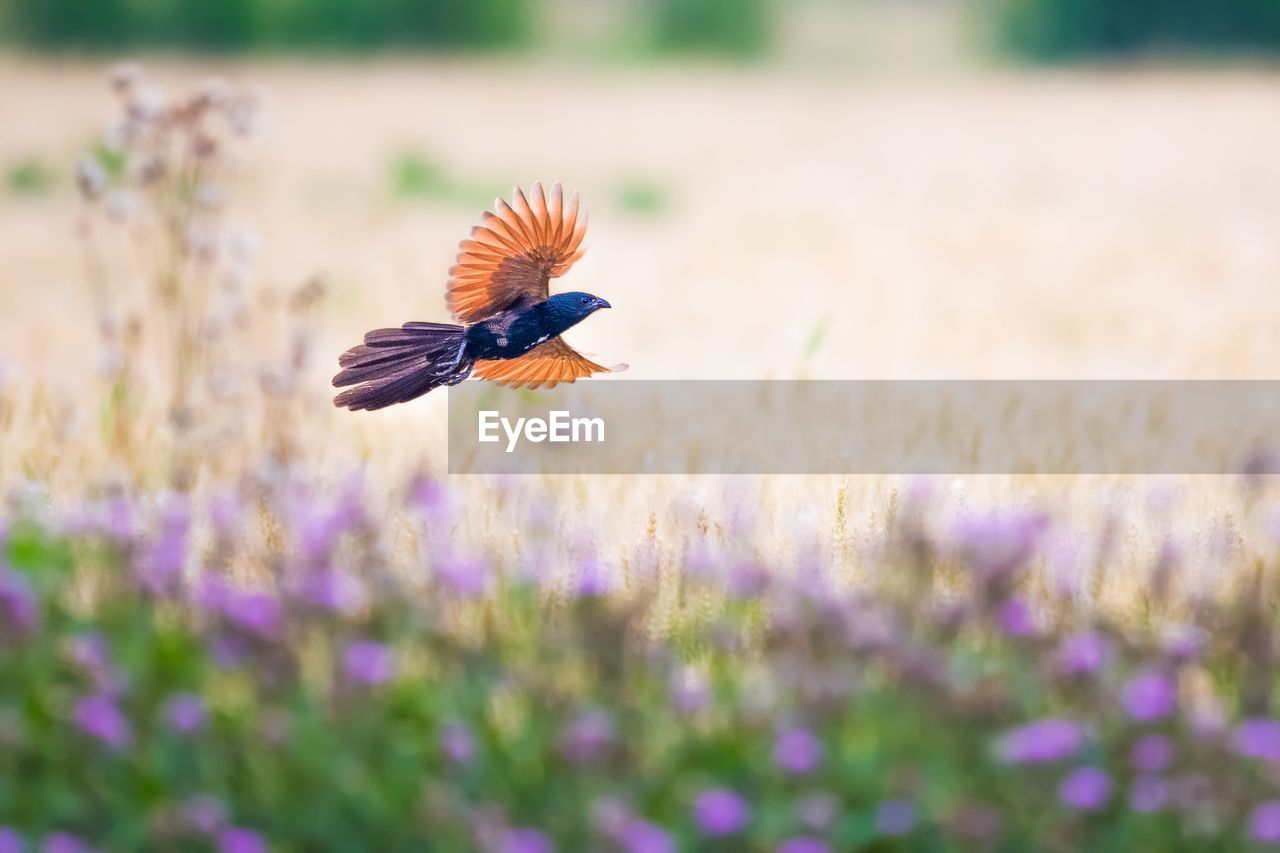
x: 410, y: 361
x: 514, y: 332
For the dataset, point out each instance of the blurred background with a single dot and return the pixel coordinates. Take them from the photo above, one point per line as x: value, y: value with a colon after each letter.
x: 808, y: 188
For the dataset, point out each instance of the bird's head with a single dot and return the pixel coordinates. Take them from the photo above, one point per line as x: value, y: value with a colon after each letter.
x: 576, y: 306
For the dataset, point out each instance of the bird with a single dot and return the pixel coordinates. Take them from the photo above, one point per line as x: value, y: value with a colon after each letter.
x: 509, y: 328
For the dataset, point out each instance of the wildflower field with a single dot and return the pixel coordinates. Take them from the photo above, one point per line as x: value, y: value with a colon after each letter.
x: 235, y: 619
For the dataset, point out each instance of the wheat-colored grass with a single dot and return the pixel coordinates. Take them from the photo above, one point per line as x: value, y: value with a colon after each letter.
x: 1085, y: 224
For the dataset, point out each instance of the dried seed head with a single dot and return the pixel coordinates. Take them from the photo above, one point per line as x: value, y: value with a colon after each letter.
x: 216, y: 92
x: 149, y: 104
x: 243, y: 113
x: 120, y: 205
x: 91, y: 178
x: 151, y: 170
x: 205, y: 147
x: 125, y: 76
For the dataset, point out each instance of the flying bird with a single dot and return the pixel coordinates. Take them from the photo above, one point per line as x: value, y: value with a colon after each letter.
x: 499, y: 292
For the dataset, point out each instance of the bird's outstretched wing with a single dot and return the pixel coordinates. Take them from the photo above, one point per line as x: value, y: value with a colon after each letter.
x: 513, y: 253
x: 546, y: 365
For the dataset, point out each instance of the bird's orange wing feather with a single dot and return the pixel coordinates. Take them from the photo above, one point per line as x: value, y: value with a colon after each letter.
x: 513, y: 253
x: 546, y: 365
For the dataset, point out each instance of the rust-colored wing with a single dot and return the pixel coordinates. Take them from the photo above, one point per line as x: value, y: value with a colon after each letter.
x: 544, y: 366
x: 513, y: 254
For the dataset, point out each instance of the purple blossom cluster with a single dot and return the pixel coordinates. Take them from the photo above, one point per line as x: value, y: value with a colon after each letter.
x: 450, y: 693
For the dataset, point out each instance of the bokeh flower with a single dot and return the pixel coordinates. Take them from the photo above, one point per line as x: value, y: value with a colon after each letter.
x: 1083, y: 653
x: 204, y: 813
x: 525, y: 840
x: 368, y: 662
x: 641, y: 836
x: 185, y: 713
x: 1257, y: 738
x: 10, y: 841
x: 1264, y: 822
x: 19, y: 610
x: 1150, y: 696
x: 997, y: 544
x: 1015, y: 618
x: 804, y: 844
x: 237, y: 839
x: 457, y: 743
x: 1148, y: 794
x: 98, y: 717
x: 720, y: 811
x: 1085, y: 789
x: 895, y: 817
x: 468, y: 577
x: 797, y: 751
x: 64, y: 842
x: 160, y: 568
x: 588, y: 736
x: 1041, y: 742
x: 1151, y: 753
x: 690, y: 691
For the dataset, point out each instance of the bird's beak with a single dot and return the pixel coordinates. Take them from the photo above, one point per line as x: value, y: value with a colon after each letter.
x: 600, y: 303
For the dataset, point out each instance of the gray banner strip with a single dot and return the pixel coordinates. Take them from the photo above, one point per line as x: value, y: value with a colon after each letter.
x: 865, y: 427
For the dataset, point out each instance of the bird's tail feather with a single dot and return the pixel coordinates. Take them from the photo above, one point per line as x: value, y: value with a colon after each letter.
x: 396, y: 365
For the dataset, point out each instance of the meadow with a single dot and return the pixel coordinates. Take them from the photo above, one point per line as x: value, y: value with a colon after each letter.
x: 237, y: 619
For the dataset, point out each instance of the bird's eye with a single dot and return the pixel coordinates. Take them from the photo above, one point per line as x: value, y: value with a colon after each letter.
x: 586, y: 300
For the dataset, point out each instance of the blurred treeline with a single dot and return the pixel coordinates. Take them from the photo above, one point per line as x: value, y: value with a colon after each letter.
x: 1037, y: 29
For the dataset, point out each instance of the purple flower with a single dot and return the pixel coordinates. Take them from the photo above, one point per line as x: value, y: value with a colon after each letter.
x: 334, y: 590
x: 748, y: 580
x: 641, y: 836
x: 237, y: 839
x: 118, y: 522
x: 204, y: 813
x: 1085, y: 789
x: 1150, y: 696
x: 690, y: 692
x: 63, y: 842
x: 1015, y: 618
x: 1083, y: 653
x: 1257, y: 738
x: 593, y: 579
x: 19, y: 610
x: 525, y: 840
x: 720, y: 811
x: 797, y: 751
x: 995, y: 544
x: 1264, y: 822
x: 1183, y: 642
x: 162, y: 562
x: 466, y: 577
x: 10, y: 841
x: 91, y: 653
x: 1151, y: 753
x: 587, y: 737
x: 1040, y: 742
x: 254, y: 612
x: 429, y: 497
x: 895, y: 817
x: 368, y: 662
x: 817, y: 811
x: 804, y: 844
x: 185, y: 713
x: 98, y: 717
x: 1148, y: 794
x: 224, y: 514
x: 457, y: 743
